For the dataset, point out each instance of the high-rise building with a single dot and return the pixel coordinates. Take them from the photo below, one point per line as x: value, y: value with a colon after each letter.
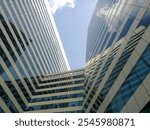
x: 118, y: 57
x: 35, y: 75
x: 30, y: 49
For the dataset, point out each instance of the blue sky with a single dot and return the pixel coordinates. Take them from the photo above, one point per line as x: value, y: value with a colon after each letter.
x: 72, y: 19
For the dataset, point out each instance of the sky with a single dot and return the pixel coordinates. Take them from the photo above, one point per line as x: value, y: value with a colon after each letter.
x: 72, y: 18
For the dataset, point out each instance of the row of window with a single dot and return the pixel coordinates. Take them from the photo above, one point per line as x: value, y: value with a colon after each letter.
x: 52, y: 106
x: 118, y: 68
x: 102, y: 74
x: 132, y: 82
x: 58, y: 97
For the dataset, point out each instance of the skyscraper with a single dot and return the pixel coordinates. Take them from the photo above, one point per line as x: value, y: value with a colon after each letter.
x: 118, y: 48
x: 30, y: 49
x: 35, y: 75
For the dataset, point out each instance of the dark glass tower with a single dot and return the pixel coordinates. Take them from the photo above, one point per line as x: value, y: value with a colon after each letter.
x: 113, y: 20
x: 118, y: 57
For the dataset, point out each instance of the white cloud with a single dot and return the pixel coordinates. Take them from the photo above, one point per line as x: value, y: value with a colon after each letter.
x: 113, y: 9
x: 58, y: 4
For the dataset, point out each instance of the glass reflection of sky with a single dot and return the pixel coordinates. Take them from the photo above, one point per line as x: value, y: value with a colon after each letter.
x: 107, y: 20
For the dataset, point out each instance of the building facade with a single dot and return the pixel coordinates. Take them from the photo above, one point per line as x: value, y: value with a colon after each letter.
x: 30, y: 48
x: 35, y: 75
x: 118, y: 48
x: 60, y: 92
